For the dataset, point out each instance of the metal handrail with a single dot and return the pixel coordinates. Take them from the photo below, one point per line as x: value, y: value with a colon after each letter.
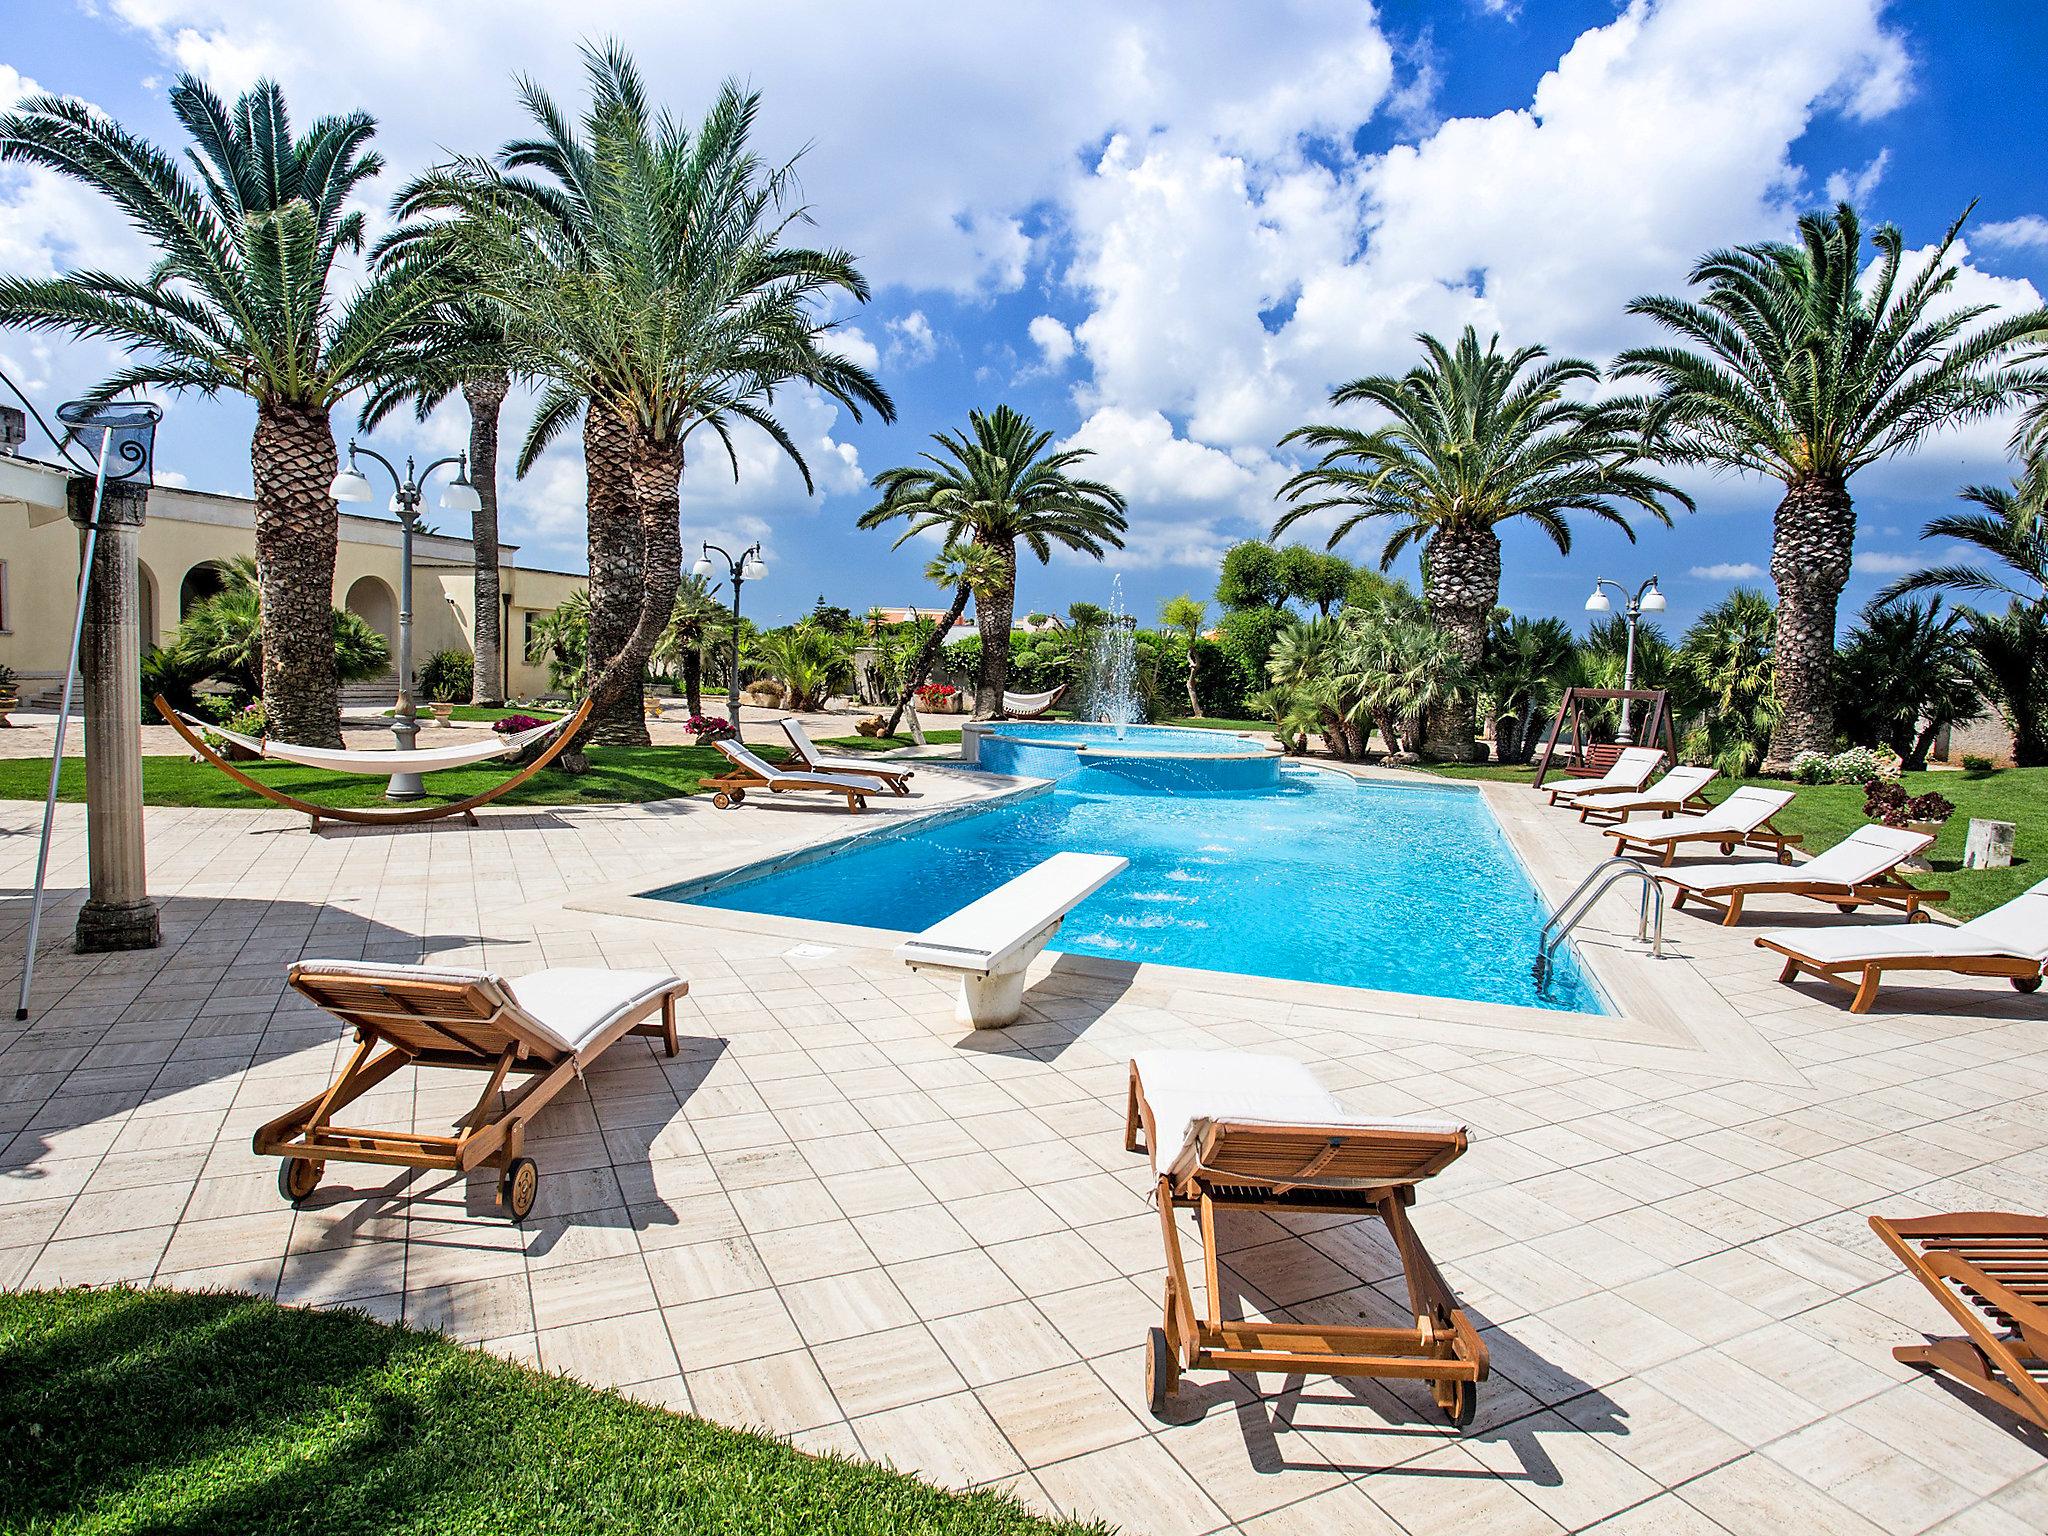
x: 1573, y: 909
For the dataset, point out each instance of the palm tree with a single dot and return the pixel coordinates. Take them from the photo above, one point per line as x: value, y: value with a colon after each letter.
x: 242, y: 298
x: 806, y: 658
x: 1526, y: 666
x: 1791, y: 367
x: 1189, y: 616
x: 969, y: 571
x: 697, y: 623
x: 644, y: 280
x: 995, y: 487
x: 1724, y: 670
x: 1473, y: 443
x: 466, y: 356
x: 2012, y: 647
x: 1906, y: 674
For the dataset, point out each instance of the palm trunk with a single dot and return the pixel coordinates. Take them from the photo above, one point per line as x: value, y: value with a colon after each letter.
x: 1810, y: 552
x: 993, y: 613
x: 655, y: 475
x: 693, y: 680
x: 926, y: 655
x: 485, y: 396
x: 1194, y: 704
x: 1461, y: 585
x: 617, y: 566
x: 293, y: 461
x: 1507, y: 736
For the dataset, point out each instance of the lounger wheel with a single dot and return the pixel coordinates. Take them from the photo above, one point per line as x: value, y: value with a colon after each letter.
x: 1458, y: 1399
x: 1845, y: 906
x: 517, y: 1188
x: 726, y: 799
x: 1162, y: 1372
x: 298, y: 1178
x: 2026, y: 983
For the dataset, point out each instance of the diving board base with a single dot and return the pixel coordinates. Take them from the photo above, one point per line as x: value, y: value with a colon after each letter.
x: 990, y: 999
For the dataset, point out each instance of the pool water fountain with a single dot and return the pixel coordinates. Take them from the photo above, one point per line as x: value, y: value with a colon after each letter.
x: 1111, y: 691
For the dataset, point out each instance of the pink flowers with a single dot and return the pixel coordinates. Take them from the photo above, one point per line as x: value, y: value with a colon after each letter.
x: 710, y: 727
x: 937, y: 695
x: 512, y: 725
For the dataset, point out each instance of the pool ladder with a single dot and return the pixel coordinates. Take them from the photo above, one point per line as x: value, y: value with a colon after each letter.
x: 1649, y: 924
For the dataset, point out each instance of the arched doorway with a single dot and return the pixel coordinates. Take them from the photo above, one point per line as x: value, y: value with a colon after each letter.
x: 145, y: 605
x: 200, y: 583
x: 371, y: 599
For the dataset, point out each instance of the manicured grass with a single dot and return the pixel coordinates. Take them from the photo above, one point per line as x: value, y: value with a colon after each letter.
x: 1212, y: 723
x: 1824, y: 814
x: 887, y: 743
x: 488, y: 714
x: 131, y: 1411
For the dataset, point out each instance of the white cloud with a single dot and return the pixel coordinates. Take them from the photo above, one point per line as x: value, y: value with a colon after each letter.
x: 1054, y: 341
x: 1843, y: 187
x: 851, y: 342
x: 912, y: 341
x: 1188, y: 501
x: 1728, y: 570
x: 1886, y: 562
x: 2028, y: 232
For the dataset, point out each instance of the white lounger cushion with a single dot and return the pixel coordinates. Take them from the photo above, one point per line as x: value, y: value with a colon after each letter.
x: 2018, y: 929
x: 1630, y: 772
x: 985, y: 933
x: 568, y: 1007
x: 840, y: 782
x: 1741, y: 813
x: 1862, y: 856
x: 1187, y: 1089
x: 1680, y: 784
x: 807, y: 750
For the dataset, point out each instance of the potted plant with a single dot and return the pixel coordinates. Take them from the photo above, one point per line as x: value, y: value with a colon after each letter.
x: 1885, y: 801
x: 442, y: 713
x: 938, y: 699
x: 710, y: 728
x: 10, y: 693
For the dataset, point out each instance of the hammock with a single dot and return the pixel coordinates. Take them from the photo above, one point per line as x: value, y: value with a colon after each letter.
x: 417, y: 761
x: 1026, y: 705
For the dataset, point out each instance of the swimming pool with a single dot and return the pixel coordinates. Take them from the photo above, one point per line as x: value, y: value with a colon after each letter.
x: 1324, y: 878
x: 1171, y: 759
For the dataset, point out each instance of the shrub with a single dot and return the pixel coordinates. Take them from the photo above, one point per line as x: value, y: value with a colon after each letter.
x: 1977, y: 762
x: 1886, y: 801
x: 1858, y: 765
x: 170, y: 672
x: 448, y: 676
x: 251, y: 721
x: 1245, y: 639
x: 512, y: 725
x: 710, y: 728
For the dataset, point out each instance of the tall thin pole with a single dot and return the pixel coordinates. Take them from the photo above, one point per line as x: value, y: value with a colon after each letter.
x: 35, y: 904
x: 732, y: 698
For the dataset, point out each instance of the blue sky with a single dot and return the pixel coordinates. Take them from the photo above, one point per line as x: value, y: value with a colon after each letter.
x: 1165, y: 230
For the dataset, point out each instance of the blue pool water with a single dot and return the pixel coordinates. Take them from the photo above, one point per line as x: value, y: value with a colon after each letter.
x: 1323, y: 878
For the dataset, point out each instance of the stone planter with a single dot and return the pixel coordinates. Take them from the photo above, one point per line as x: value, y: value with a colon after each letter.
x: 1920, y: 863
x: 443, y: 714
x: 10, y: 700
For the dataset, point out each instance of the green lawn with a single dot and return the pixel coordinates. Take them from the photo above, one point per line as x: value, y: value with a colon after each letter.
x: 617, y: 775
x: 1824, y: 814
x: 487, y: 714
x: 162, y: 1411
x: 1211, y: 723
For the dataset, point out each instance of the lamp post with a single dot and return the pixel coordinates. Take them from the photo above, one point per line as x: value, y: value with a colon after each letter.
x: 1645, y: 599
x: 748, y: 567
x: 408, y: 491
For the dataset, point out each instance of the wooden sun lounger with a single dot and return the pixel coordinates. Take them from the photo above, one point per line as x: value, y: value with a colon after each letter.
x: 1747, y: 818
x: 548, y: 1027
x: 1989, y: 1271
x: 1679, y: 791
x: 1859, y: 871
x: 1630, y: 771
x: 365, y: 816
x: 751, y: 772
x: 2011, y: 940
x: 814, y: 761
x: 1227, y: 1129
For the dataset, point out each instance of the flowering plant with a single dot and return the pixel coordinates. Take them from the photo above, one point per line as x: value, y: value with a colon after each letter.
x: 710, y: 727
x: 930, y: 694
x: 1887, y: 802
x: 512, y: 725
x: 1858, y: 765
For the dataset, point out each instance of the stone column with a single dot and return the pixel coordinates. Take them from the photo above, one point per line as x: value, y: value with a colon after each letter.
x: 118, y: 913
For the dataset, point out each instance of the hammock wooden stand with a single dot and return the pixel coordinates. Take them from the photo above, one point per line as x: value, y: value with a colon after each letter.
x: 1583, y: 753
x: 465, y: 808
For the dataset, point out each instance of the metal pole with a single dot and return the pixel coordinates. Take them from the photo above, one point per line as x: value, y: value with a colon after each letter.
x: 732, y: 698
x: 35, y: 904
x: 1626, y: 735
x: 405, y: 723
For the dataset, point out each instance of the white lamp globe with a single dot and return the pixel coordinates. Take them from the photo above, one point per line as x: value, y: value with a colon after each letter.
x: 459, y: 495
x: 1598, y: 603
x: 1653, y: 601
x: 753, y: 568
x: 350, y: 485
x: 702, y: 567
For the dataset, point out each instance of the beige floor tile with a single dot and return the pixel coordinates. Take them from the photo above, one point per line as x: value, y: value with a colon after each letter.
x: 953, y: 1282
x: 1056, y: 1414
x: 782, y: 1394
x: 950, y: 1441
x: 583, y: 1293
x: 1000, y: 1342
x: 1138, y: 1476
x: 701, y: 1271
x: 612, y: 1351
x: 726, y: 1329
x: 857, y: 1304
x: 887, y: 1370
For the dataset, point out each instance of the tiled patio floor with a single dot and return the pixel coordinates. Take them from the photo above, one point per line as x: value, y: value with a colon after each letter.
x: 839, y: 1216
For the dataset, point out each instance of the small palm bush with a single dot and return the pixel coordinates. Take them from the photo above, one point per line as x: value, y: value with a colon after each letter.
x: 448, y: 676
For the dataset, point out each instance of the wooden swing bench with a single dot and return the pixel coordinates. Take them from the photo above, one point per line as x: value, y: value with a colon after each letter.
x: 429, y: 760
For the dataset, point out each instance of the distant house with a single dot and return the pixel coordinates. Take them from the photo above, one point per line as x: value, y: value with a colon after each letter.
x: 188, y: 538
x: 962, y: 626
